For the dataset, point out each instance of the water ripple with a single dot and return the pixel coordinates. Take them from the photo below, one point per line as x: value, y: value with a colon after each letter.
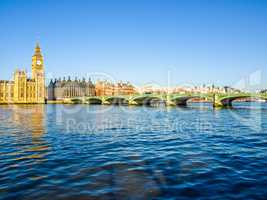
x: 132, y: 153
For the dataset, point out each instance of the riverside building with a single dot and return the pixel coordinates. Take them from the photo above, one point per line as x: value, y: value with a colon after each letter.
x: 105, y: 88
x: 61, y: 89
x: 23, y: 89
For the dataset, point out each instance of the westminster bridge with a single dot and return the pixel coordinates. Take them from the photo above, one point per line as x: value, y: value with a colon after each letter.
x: 218, y: 100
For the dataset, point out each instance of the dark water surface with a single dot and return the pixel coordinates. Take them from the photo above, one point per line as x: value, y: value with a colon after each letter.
x: 101, y: 152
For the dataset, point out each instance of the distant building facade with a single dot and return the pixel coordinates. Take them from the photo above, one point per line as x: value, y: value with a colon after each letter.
x: 205, y: 89
x: 105, y: 88
x: 61, y: 89
x: 23, y: 89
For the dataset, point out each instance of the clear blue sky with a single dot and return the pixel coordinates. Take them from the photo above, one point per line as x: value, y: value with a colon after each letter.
x: 201, y: 41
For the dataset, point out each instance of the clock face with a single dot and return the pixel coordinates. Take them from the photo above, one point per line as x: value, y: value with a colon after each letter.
x: 39, y: 62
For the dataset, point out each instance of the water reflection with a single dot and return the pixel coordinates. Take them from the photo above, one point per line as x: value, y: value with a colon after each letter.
x: 29, y: 123
x: 29, y: 117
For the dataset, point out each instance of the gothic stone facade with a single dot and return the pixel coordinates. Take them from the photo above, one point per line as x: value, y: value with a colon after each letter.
x: 61, y: 89
x: 22, y: 89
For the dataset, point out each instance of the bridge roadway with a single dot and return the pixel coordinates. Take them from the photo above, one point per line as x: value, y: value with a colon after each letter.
x: 218, y: 100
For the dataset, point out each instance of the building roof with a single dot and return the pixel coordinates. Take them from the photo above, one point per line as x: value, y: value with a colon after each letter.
x: 70, y: 83
x: 5, y: 81
x: 37, y: 50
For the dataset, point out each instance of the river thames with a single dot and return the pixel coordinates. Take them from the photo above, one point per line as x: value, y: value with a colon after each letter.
x: 120, y: 152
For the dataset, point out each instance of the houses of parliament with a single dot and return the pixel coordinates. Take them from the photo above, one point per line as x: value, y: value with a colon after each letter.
x: 23, y: 89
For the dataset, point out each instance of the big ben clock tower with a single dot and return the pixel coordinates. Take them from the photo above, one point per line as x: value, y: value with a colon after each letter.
x: 38, y: 75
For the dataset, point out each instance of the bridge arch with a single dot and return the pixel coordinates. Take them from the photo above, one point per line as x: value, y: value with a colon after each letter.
x: 150, y: 100
x: 94, y: 101
x: 182, y: 100
x: 76, y: 101
x: 228, y: 101
x: 117, y: 100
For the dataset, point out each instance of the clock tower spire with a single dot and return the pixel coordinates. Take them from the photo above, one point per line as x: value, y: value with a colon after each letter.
x: 37, y: 62
x: 38, y: 74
